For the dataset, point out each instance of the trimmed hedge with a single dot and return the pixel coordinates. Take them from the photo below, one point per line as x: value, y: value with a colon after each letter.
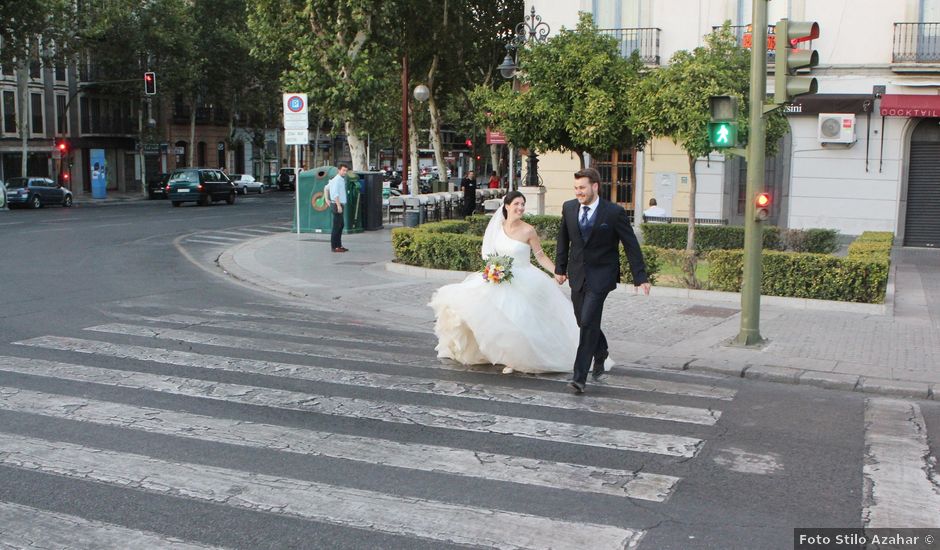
x: 545, y: 225
x: 816, y: 241
x: 707, y: 237
x: 437, y: 246
x: 803, y: 275
x: 872, y: 246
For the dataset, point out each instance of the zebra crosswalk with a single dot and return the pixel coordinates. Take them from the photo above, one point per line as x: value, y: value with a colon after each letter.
x: 229, y: 237
x: 317, y: 399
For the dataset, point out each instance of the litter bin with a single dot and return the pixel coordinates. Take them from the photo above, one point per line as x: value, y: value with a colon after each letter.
x: 370, y: 187
x: 315, y: 215
x: 412, y: 218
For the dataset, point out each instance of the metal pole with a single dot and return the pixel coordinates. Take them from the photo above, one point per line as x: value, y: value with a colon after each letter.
x: 512, y: 166
x: 404, y: 125
x: 297, y: 186
x: 750, y: 291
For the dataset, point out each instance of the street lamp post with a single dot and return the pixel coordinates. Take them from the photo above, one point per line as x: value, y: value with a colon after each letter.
x: 530, y: 30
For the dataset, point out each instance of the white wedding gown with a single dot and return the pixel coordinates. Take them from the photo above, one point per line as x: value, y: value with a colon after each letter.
x: 527, y: 323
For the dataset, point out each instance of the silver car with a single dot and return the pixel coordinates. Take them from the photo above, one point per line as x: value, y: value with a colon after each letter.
x: 246, y: 183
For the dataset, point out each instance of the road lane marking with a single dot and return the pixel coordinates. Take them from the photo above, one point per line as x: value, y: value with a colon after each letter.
x: 460, y: 390
x: 901, y: 485
x: 343, y: 506
x: 382, y: 452
x: 382, y: 411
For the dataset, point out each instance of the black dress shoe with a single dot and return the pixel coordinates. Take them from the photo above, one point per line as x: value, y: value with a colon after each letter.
x: 599, y: 372
x: 578, y: 387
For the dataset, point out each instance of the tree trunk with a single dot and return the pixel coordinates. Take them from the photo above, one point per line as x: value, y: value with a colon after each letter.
x: 22, y: 118
x: 580, y: 155
x: 357, y: 147
x: 415, y: 171
x: 495, y: 159
x: 691, y: 260
x: 192, y: 132
x: 436, y: 140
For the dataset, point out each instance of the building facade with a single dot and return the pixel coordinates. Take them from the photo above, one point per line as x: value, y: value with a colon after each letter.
x: 862, y: 154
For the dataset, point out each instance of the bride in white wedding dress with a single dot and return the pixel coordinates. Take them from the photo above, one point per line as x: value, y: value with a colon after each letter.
x: 526, y: 324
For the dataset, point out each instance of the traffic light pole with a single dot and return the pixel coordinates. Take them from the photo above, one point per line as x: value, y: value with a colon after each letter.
x: 749, y: 334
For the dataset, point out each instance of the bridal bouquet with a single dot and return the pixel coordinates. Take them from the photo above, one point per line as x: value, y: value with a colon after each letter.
x: 497, y: 269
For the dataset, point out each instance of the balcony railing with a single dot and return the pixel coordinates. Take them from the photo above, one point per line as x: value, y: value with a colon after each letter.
x: 916, y: 43
x: 644, y: 41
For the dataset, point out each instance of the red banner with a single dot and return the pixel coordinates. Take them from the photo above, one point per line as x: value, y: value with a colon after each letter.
x: 494, y: 137
x: 910, y: 105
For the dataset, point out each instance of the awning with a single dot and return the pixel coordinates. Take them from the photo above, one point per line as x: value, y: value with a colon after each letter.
x: 910, y: 105
x: 813, y: 104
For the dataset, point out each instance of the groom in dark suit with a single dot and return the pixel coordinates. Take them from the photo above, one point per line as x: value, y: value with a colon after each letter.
x: 588, y: 257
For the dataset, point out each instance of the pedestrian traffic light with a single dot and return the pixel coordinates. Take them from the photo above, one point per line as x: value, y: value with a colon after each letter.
x: 762, y: 206
x: 788, y: 59
x: 150, y: 83
x: 469, y: 143
x: 723, y: 127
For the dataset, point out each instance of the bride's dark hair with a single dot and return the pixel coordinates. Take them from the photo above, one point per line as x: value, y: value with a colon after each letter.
x: 507, y: 200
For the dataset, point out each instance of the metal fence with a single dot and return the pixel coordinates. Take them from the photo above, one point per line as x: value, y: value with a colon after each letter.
x: 916, y: 43
x: 644, y: 41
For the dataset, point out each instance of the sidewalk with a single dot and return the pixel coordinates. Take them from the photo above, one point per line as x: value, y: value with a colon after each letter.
x: 892, y: 349
x: 85, y: 199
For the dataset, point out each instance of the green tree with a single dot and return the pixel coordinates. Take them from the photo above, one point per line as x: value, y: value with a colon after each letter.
x: 33, y: 32
x: 573, y: 95
x: 334, y: 56
x: 673, y: 103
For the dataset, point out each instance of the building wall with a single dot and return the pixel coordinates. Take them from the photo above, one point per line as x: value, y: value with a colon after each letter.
x: 557, y: 171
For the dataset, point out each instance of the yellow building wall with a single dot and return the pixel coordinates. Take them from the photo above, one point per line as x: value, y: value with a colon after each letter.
x: 557, y: 171
x: 662, y: 155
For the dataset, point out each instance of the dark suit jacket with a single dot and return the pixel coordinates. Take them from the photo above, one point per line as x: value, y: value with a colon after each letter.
x: 596, y: 262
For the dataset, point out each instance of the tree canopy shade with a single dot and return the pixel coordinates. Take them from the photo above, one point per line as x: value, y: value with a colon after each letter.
x: 673, y: 101
x: 574, y: 95
x: 334, y: 56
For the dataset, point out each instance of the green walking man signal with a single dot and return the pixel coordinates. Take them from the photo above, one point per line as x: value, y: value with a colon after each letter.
x: 723, y: 127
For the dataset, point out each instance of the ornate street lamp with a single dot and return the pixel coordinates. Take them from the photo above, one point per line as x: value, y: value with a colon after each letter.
x: 531, y: 30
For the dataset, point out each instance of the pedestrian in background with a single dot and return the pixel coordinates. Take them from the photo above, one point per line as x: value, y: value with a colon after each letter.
x: 337, y: 194
x: 469, y: 186
x: 494, y: 181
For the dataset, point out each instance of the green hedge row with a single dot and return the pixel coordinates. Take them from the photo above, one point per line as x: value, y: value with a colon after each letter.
x: 546, y: 226
x: 728, y: 237
x: 803, y: 275
x: 872, y: 246
x: 440, y: 245
x: 707, y: 237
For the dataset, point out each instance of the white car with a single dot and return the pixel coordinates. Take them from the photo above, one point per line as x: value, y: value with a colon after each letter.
x: 245, y: 183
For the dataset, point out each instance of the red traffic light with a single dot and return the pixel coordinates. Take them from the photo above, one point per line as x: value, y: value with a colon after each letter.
x: 150, y: 83
x: 63, y: 146
x: 469, y: 143
x: 762, y: 206
x: 65, y: 176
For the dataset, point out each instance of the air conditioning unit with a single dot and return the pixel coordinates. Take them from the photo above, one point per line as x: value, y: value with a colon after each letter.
x: 836, y: 128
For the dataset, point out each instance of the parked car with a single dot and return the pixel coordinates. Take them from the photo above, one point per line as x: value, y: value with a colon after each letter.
x: 36, y: 192
x: 201, y: 185
x: 156, y: 187
x: 245, y: 183
x: 287, y: 179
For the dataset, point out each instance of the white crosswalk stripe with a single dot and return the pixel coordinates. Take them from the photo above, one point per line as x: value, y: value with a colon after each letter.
x: 383, y: 411
x: 461, y: 390
x: 113, y: 387
x: 901, y: 484
x: 27, y: 527
x: 421, y: 518
x: 318, y: 350
x: 431, y: 458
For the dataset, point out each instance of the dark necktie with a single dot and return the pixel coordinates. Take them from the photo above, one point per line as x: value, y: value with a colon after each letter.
x: 584, y: 223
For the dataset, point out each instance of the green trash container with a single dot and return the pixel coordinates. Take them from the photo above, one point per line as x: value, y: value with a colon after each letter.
x: 315, y: 215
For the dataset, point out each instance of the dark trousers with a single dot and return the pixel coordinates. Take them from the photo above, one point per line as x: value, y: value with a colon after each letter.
x: 336, y: 236
x: 588, y: 308
x: 469, y: 206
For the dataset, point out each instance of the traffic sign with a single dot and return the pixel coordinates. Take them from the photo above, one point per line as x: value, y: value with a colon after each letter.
x: 295, y: 111
x: 296, y: 137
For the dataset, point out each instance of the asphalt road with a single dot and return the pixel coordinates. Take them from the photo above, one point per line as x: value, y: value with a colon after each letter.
x: 147, y: 401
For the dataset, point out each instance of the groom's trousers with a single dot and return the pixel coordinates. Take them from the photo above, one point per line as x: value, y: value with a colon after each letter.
x: 588, y: 308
